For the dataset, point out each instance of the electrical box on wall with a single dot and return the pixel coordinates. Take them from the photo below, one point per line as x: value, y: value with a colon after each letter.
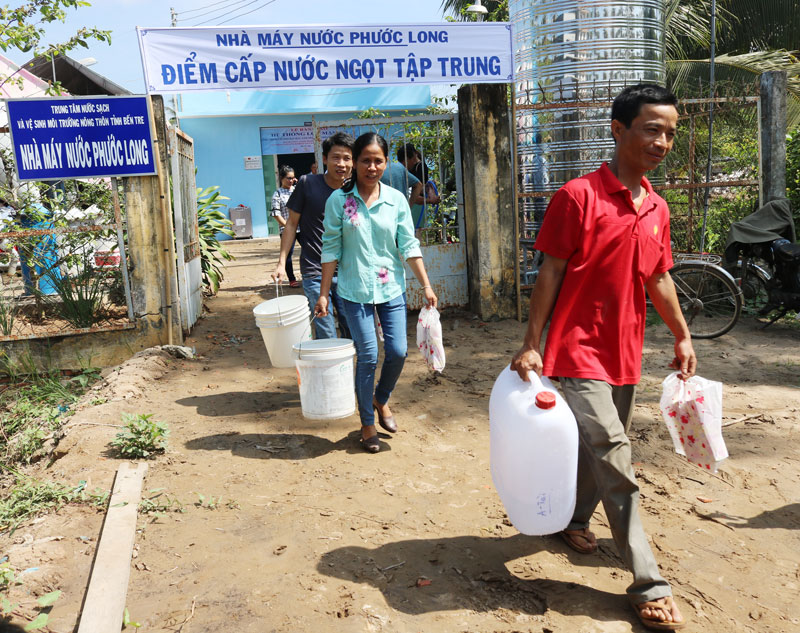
x: 242, y: 221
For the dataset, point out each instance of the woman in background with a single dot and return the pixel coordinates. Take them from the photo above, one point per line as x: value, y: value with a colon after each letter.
x: 280, y: 212
x: 368, y: 233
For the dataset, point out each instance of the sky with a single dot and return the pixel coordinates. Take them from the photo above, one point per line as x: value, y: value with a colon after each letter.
x: 121, y: 62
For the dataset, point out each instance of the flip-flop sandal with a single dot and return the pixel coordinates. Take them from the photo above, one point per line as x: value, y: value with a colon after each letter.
x: 657, y: 625
x: 570, y: 539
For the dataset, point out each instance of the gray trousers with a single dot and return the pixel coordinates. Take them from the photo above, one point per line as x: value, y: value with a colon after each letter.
x: 605, y: 473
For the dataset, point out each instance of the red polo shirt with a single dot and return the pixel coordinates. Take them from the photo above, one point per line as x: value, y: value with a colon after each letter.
x: 597, y: 325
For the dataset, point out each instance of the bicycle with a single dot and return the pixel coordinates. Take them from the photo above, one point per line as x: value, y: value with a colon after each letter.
x: 710, y: 298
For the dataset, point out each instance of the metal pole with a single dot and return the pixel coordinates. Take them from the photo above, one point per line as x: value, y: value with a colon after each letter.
x: 174, y: 17
x: 317, y: 145
x: 710, y: 123
x: 123, y: 257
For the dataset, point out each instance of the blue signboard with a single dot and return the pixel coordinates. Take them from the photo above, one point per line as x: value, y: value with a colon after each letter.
x: 76, y: 137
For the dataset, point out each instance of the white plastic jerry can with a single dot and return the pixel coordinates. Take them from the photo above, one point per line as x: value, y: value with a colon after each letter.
x: 534, y: 453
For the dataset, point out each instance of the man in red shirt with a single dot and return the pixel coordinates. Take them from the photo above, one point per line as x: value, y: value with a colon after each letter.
x: 605, y: 239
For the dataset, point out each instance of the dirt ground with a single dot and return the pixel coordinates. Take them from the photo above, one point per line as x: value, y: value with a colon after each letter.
x: 298, y: 529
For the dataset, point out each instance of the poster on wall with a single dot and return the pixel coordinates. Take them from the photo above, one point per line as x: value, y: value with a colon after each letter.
x: 177, y: 59
x: 81, y: 137
x: 291, y: 140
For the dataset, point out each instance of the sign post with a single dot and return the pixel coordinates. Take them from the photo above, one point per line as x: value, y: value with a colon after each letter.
x: 81, y: 137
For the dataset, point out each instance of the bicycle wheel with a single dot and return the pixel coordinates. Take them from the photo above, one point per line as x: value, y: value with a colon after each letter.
x: 755, y: 293
x: 710, y: 300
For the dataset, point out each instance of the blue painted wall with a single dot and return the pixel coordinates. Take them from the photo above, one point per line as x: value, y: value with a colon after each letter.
x: 226, y: 128
x: 221, y: 143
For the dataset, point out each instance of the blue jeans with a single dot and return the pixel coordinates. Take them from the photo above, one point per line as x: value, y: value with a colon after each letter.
x: 361, y: 319
x: 325, y: 327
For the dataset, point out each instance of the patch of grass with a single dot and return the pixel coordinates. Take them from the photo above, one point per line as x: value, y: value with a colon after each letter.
x: 9, y: 578
x: 30, y: 498
x: 35, y: 410
x: 142, y: 436
x: 159, y: 503
x: 210, y: 503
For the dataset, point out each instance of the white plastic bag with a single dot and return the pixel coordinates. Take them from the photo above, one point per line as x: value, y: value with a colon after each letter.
x: 429, y: 338
x: 692, y: 410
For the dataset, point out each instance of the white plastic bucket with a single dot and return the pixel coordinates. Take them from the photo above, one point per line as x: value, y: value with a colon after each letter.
x: 283, y: 322
x: 325, y: 378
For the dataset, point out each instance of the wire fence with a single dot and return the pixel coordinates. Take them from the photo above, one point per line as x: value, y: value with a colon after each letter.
x: 430, y: 138
x: 63, y: 267
x: 545, y: 128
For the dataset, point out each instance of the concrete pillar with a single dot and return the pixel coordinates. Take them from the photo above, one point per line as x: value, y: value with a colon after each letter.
x: 772, y: 128
x: 488, y: 199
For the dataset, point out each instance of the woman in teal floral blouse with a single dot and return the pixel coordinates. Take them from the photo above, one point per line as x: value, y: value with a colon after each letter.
x: 368, y: 233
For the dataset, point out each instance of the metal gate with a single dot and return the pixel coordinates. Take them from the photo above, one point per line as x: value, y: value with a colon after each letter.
x: 187, y: 236
x: 436, y: 138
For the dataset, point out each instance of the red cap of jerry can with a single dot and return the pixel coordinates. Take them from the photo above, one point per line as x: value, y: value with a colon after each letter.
x: 545, y: 399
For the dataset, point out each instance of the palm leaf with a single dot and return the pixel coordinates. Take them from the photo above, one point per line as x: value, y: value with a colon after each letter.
x: 740, y: 71
x: 761, y: 25
x: 498, y: 9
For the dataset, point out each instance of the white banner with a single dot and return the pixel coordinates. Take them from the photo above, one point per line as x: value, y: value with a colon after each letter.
x: 217, y: 58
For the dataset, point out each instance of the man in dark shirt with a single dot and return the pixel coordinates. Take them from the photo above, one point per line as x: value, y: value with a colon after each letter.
x: 410, y: 158
x: 307, y: 210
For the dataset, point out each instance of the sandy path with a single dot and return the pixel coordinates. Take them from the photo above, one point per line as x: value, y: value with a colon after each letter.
x: 309, y: 533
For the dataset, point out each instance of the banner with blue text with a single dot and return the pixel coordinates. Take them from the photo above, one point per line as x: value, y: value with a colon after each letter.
x: 80, y: 137
x: 218, y: 58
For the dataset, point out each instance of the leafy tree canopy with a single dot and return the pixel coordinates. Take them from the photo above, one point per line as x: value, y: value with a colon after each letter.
x: 23, y: 28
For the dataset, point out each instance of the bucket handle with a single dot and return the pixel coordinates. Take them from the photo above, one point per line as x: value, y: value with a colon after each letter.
x: 277, y: 296
x: 300, y: 346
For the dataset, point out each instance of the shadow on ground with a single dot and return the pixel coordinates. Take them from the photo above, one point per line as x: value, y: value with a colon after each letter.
x: 233, y: 403
x: 786, y: 517
x: 280, y: 445
x: 469, y: 572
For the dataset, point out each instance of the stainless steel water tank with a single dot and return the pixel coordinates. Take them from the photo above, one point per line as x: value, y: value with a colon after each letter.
x: 572, y: 57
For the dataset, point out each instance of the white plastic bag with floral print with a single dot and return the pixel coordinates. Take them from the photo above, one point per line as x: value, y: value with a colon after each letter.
x: 692, y: 410
x: 429, y: 338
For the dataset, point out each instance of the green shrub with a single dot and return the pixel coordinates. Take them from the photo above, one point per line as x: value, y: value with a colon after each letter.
x: 79, y: 296
x: 142, y: 436
x: 211, y: 221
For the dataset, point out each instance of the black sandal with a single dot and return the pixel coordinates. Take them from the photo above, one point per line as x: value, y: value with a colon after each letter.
x: 388, y: 422
x: 371, y: 444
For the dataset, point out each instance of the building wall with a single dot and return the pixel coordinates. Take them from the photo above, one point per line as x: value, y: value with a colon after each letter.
x: 220, y: 145
x: 226, y: 128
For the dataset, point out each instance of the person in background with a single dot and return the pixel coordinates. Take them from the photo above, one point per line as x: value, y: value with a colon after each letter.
x: 280, y: 212
x: 368, y: 233
x: 397, y: 176
x: 410, y: 158
x: 314, y: 167
x: 306, y: 212
x: 605, y: 239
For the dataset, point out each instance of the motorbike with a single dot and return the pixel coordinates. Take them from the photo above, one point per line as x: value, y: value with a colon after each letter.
x: 763, y: 258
